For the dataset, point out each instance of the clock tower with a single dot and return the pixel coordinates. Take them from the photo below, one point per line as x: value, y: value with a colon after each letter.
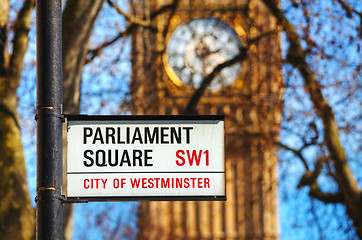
x: 184, y: 43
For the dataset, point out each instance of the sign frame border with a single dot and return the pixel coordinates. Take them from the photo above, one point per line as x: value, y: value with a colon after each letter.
x: 85, y: 117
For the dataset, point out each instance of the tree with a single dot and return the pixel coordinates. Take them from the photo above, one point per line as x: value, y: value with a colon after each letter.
x: 325, y: 128
x: 308, y: 48
x: 304, y: 52
x: 315, y: 56
x: 78, y: 22
x: 17, y: 217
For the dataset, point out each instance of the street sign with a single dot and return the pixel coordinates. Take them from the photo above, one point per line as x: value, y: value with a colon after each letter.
x: 145, y: 158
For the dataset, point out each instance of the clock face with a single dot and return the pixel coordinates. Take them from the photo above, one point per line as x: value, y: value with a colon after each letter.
x: 197, y: 47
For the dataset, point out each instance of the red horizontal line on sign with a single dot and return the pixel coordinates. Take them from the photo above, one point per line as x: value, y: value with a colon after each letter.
x: 143, y: 172
x: 143, y: 198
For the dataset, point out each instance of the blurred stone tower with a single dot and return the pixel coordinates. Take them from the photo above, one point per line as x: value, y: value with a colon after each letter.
x: 184, y: 43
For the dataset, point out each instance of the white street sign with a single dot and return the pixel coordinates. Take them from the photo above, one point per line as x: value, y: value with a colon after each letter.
x: 145, y: 157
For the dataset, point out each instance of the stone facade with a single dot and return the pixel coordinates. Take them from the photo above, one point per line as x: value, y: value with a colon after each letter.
x: 252, y: 109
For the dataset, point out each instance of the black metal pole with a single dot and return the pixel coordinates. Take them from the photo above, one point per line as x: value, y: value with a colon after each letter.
x: 49, y: 211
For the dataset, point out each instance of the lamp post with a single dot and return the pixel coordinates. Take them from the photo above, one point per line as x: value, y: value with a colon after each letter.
x: 49, y: 211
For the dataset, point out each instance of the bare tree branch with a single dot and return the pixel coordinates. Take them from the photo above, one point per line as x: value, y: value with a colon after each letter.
x: 297, y: 153
x: 191, y: 106
x: 21, y: 39
x: 138, y: 22
x: 195, y: 98
x: 310, y: 177
x: 296, y: 57
x: 345, y: 177
x: 98, y: 50
x: 316, y: 193
x: 349, y: 10
x: 132, y: 19
x: 173, y: 8
x: 4, y: 18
